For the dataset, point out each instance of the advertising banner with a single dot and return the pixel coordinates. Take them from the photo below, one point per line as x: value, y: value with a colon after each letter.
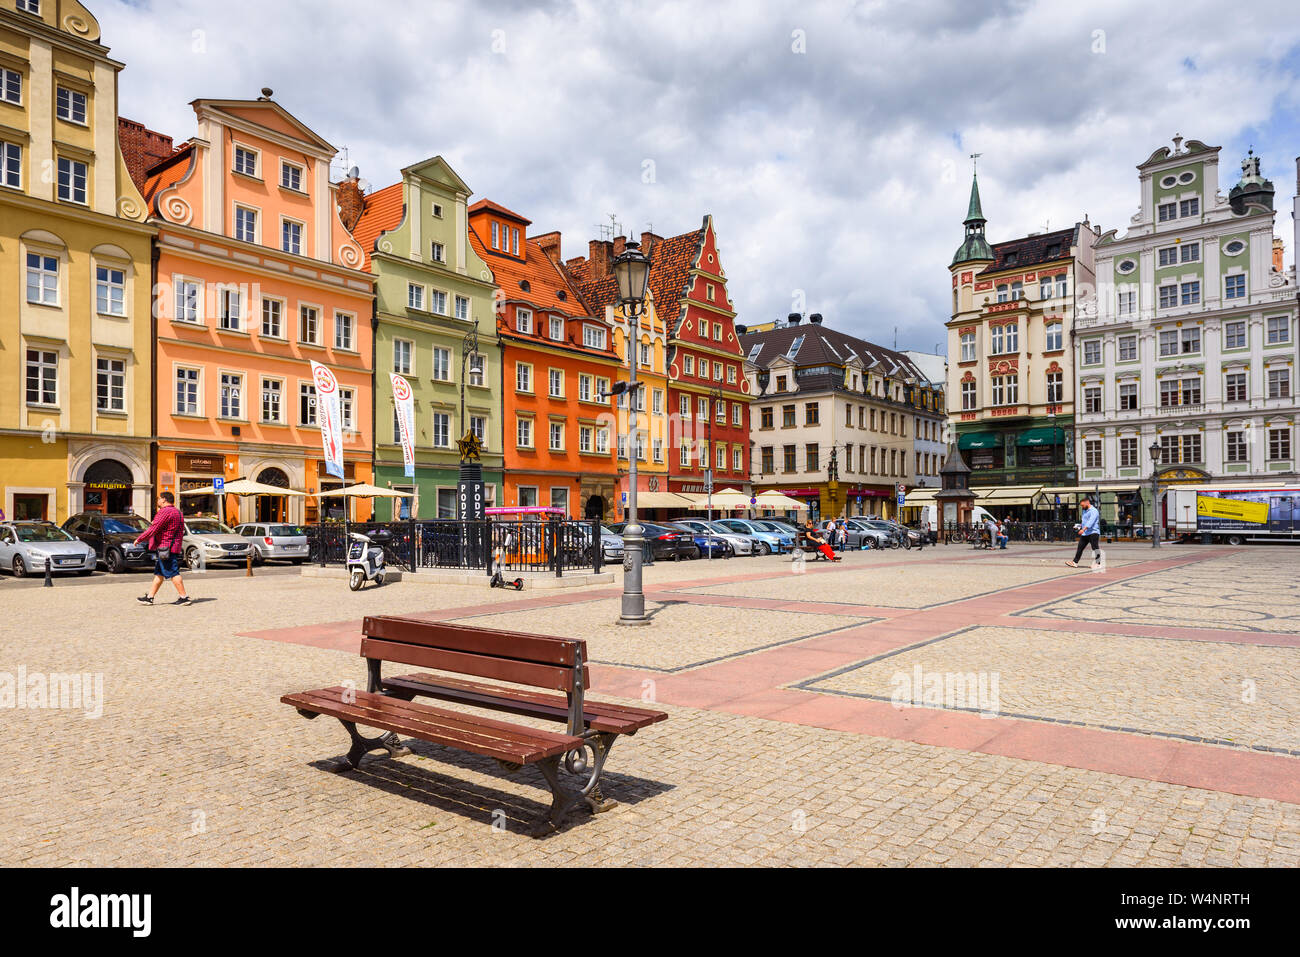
x: 329, y: 417
x: 1238, y: 511
x: 405, y: 404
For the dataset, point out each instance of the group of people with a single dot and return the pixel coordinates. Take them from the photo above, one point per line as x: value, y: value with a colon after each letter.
x: 996, y: 532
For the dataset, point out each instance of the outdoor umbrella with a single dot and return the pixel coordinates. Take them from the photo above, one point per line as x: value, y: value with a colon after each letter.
x: 775, y: 500
x: 242, y: 487
x: 723, y: 501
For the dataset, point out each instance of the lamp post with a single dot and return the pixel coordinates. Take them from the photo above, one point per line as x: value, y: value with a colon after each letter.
x: 1154, y: 451
x: 1056, y: 433
x: 631, y: 273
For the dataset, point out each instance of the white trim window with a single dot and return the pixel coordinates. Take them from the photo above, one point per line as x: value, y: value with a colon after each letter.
x: 245, y: 161
x: 441, y: 430
x: 1234, y: 287
x: 557, y: 328
x: 245, y: 224
x: 1279, y: 383
x: 556, y: 437
x: 438, y: 252
x: 477, y: 369
x: 1279, y: 444
x: 462, y: 308
x: 1279, y: 330
x: 42, y: 377
x: 441, y: 364
x: 478, y: 426
x: 523, y: 377
x: 403, y: 349
x: 110, y: 384
x: 555, y: 383
x: 42, y: 279
x: 187, y: 391
x: 584, y: 388
x: 291, y: 176
x: 272, y: 318
x: 189, y: 300
x: 438, y: 302
x: 524, y: 321
x: 524, y: 431
x: 11, y: 165
x: 11, y: 87
x: 967, y: 347
x: 291, y: 236
x: 1168, y: 297
x: 1128, y: 348
x: 231, y: 313
x: 306, y: 404
x: 415, y: 296
x: 110, y: 291
x: 1055, y: 336
x: 272, y: 401
x: 1238, y: 450
x: 347, y: 410
x: 1127, y: 303
x: 309, y: 325
x: 1092, y: 352
x: 70, y: 105
x: 1166, y: 211
x: 232, y: 395
x: 344, y: 331
x: 72, y: 180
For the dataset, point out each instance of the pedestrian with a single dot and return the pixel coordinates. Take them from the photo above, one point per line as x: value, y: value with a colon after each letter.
x: 164, y: 538
x: 1002, y: 534
x: 813, y: 536
x: 991, y: 530
x: 1089, y: 533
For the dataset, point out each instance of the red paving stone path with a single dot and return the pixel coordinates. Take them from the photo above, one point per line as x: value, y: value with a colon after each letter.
x: 757, y: 684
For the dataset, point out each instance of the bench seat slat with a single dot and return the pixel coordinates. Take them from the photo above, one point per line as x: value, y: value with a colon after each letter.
x: 551, y: 677
x: 466, y: 732
x: 598, y: 715
x: 540, y: 649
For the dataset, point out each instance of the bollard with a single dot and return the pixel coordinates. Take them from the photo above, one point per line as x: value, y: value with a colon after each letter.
x: 249, y: 558
x: 49, y: 577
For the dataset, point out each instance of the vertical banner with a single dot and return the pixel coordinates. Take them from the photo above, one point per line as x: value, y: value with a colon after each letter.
x: 405, y: 404
x: 329, y: 417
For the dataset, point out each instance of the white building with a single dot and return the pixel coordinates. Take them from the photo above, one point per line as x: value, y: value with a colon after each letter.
x: 1191, y: 342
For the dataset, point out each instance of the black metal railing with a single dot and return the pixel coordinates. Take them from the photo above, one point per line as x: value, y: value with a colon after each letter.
x: 958, y: 532
x: 395, y: 537
x: 510, y: 546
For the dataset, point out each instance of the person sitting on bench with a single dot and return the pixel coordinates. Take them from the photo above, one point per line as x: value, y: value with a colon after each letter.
x: 990, y: 530
x: 814, y: 538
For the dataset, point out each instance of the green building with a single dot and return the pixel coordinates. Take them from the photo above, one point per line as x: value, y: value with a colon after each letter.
x: 433, y: 292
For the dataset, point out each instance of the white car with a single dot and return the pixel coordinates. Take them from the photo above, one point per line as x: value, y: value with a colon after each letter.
x: 26, y: 548
x: 208, y: 541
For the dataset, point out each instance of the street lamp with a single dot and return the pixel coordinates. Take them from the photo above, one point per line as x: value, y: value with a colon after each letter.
x: 1056, y: 433
x: 631, y: 273
x: 1154, y: 451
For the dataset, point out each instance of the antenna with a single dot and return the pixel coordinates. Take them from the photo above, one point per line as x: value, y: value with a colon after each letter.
x: 895, y: 338
x: 975, y: 158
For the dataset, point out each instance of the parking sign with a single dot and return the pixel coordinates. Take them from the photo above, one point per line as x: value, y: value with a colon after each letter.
x: 219, y: 484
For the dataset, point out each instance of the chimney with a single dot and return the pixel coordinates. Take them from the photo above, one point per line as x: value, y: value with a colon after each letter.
x: 550, y: 245
x: 351, y: 202
x: 649, y: 241
x: 1277, y: 254
x: 815, y: 318
x: 740, y: 330
x: 598, y: 251
x: 620, y: 244
x: 793, y: 318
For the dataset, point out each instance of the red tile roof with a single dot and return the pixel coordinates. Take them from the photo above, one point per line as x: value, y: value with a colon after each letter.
x: 487, y: 204
x: 166, y: 174
x: 545, y: 282
x: 383, y: 211
x: 671, y: 261
x: 142, y: 148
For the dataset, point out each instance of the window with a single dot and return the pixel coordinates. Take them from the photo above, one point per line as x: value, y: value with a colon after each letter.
x: 496, y: 235
x: 657, y: 402
x: 438, y: 302
x: 441, y: 364
x: 523, y: 377
x: 684, y: 456
x: 967, y: 396
x: 478, y: 426
x: 1128, y: 452
x: 110, y: 291
x: 344, y: 324
x: 1055, y: 331
x: 736, y: 411
x: 245, y: 224
x: 231, y: 315
x: 42, y: 279
x: 11, y: 86
x: 1168, y: 297
x: 1279, y: 383
x: 717, y: 332
x: 309, y: 325
x: 1128, y: 397
x: 1279, y: 330
x: 232, y: 389
x: 1127, y: 302
x: 720, y: 457
x: 1179, y: 392
x: 702, y: 409
x: 1279, y: 445
x: 273, y: 318
x: 1190, y: 252
x: 688, y: 365
x: 557, y: 436
x: 291, y: 237
x: 524, y: 432
x: 794, y: 347
x: 291, y: 176
x: 187, y: 391
x: 30, y: 6
x: 812, y: 413
x: 968, y: 347
x: 11, y: 165
x: 245, y: 161
x: 514, y: 241
x: 1002, y: 293
x: 1092, y: 454
x: 1166, y: 212
x: 995, y: 338
x: 1191, y: 293
x: 557, y: 328
x: 1234, y: 287
x: 788, y: 459
x: 441, y: 430
x: 1168, y: 256
x: 768, y: 459
x: 477, y: 369
x: 1235, y: 387
x: 462, y: 308
x: 1055, y: 387
x: 1092, y: 352
x: 1045, y: 287
x: 437, y: 210
x: 811, y: 456
x: 584, y: 438
x: 1006, y: 390
x: 765, y: 417
x: 1191, y: 340
x: 402, y: 350
x: 438, y: 252
x: 524, y: 320
x: 593, y: 337
x: 272, y: 398
x: 1189, y: 207
x: 306, y: 404
x: 1013, y: 337
x: 414, y: 296
x: 527, y: 495
x: 1237, y: 450
x: 1128, y: 348
x: 72, y: 180
x: 720, y: 412
x: 704, y: 368
x: 110, y: 385
x: 1092, y: 399
x: 70, y: 105
x: 555, y: 383
x: 643, y: 354
x: 1169, y: 342
x: 1017, y: 291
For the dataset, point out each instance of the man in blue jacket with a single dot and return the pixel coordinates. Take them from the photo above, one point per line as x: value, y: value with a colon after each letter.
x: 1089, y: 534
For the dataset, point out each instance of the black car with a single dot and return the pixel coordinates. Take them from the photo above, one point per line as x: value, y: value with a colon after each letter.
x: 112, y: 537
x: 674, y: 543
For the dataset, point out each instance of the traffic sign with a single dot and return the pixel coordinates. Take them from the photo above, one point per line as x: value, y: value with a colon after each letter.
x: 219, y: 484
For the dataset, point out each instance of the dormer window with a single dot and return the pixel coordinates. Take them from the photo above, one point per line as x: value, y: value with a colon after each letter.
x: 496, y: 235
x: 524, y: 320
x: 1011, y: 258
x: 1054, y: 251
x: 754, y: 351
x: 794, y: 347
x: 525, y: 285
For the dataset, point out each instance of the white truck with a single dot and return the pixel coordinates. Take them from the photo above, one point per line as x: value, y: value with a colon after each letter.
x: 1234, y: 514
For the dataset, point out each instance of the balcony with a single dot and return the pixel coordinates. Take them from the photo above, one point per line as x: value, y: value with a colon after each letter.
x: 1180, y: 410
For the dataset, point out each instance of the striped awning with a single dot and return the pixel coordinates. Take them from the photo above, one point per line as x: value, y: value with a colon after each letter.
x: 920, y: 496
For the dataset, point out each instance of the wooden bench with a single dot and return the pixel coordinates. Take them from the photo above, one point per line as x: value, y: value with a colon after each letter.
x: 558, y: 666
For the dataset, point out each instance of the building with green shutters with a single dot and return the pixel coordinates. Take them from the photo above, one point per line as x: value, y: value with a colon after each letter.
x: 432, y: 292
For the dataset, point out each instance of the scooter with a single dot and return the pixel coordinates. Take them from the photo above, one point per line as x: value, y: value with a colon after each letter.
x: 365, y: 560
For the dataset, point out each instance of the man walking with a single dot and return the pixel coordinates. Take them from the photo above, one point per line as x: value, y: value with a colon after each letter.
x: 1089, y: 534
x: 164, y: 538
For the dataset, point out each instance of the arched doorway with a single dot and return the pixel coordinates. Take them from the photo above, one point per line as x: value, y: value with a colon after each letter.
x: 108, y: 487
x: 273, y: 508
x: 595, y: 508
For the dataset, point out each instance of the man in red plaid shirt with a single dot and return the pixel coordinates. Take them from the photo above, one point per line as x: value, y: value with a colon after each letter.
x: 164, y: 538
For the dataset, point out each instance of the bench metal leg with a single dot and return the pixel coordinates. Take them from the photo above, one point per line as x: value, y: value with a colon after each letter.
x: 362, y: 746
x: 600, y: 747
x: 562, y: 799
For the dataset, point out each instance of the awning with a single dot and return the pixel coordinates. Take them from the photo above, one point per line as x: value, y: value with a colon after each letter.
x: 242, y: 487
x: 1068, y: 490
x: 1009, y: 495
x: 663, y: 500
x: 364, y: 490
x: 1048, y: 435
x: 920, y: 496
x: 979, y: 440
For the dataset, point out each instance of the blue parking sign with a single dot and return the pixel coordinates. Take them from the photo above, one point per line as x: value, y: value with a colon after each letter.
x: 219, y: 484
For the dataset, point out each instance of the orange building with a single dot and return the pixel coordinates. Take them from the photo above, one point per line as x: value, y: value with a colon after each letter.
x: 557, y: 361
x: 255, y: 276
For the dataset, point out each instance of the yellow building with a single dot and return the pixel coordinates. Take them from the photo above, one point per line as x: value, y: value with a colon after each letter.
x: 75, y: 368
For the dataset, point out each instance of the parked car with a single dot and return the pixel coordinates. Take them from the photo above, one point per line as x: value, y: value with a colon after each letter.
x: 664, y: 542
x: 112, y: 537
x: 856, y: 535
x: 708, y: 542
x: 769, y: 538
x: 26, y: 547
x: 889, y: 534
x: 272, y: 540
x: 611, y: 545
x: 208, y: 540
x: 740, y: 544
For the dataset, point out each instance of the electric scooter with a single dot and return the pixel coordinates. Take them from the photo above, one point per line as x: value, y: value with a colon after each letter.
x: 365, y: 560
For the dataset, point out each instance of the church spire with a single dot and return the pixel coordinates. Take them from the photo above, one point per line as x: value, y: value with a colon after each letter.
x: 975, y: 247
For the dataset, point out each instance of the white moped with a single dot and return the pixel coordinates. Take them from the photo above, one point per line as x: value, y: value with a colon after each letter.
x: 365, y: 561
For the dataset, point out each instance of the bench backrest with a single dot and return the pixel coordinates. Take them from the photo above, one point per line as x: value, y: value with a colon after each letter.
x: 540, y: 661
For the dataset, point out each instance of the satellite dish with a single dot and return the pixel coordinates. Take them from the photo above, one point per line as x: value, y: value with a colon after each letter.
x: 363, y: 185
x: 354, y: 172
x: 266, y: 92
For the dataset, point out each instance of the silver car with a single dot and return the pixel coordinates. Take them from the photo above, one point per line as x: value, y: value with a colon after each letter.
x: 274, y: 540
x: 740, y: 544
x: 208, y: 541
x: 26, y: 547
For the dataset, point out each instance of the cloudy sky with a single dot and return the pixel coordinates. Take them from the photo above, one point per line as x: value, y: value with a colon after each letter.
x: 829, y: 140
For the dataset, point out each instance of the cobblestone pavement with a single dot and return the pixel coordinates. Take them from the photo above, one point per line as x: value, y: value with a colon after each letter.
x: 195, y: 761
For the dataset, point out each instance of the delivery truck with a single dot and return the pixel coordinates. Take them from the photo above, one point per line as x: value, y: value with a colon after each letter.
x: 1234, y: 515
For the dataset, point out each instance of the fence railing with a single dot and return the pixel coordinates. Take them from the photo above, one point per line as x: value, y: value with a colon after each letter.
x: 958, y: 532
